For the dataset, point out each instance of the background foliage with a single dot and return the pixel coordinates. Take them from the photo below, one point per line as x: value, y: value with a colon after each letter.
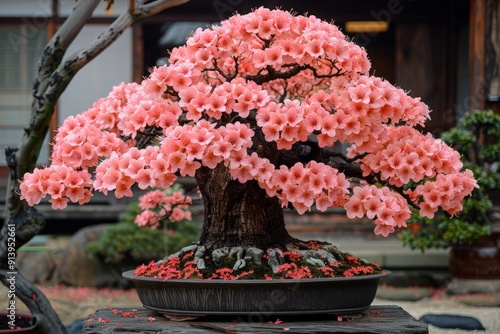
x: 126, y: 240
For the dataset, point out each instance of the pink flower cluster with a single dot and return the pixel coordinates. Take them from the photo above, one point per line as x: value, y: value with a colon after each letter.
x: 387, y: 208
x: 294, y: 271
x: 236, y: 96
x: 358, y: 271
x: 289, y: 122
x: 272, y: 38
x: 143, y: 110
x: 406, y: 155
x: 305, y: 185
x: 361, y: 107
x: 159, y: 207
x: 105, y: 113
x: 83, y: 139
x: 146, y: 168
x: 447, y: 192
x: 62, y: 183
x: 187, y: 148
x: 227, y: 274
x: 80, y: 143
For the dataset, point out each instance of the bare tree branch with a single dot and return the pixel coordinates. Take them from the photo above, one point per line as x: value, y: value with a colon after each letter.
x: 154, y: 7
x: 54, y: 75
x: 64, y: 36
x: 45, y: 319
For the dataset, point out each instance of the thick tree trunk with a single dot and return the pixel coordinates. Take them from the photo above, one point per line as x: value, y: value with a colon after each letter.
x: 239, y: 214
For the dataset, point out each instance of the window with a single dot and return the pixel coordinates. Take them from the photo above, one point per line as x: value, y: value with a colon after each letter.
x: 20, y: 47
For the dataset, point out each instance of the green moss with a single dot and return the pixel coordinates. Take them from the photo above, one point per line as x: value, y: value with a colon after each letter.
x: 177, y: 267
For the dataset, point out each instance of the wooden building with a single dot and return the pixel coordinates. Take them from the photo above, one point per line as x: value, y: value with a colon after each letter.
x: 445, y: 51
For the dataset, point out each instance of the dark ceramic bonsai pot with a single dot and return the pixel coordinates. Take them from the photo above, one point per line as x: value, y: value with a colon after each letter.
x: 25, y: 324
x: 479, y: 260
x: 340, y: 295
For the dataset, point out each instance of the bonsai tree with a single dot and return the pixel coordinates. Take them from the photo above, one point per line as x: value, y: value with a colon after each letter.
x: 477, y: 139
x: 252, y: 109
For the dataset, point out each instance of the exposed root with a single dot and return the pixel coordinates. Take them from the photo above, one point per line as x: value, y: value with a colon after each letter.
x: 314, y: 253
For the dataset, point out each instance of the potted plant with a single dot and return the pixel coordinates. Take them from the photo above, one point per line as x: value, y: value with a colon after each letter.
x: 148, y: 229
x: 252, y: 109
x: 471, y: 234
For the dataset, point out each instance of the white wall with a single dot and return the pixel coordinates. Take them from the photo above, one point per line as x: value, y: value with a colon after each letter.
x: 26, y: 8
x: 119, y: 6
x: 43, y: 8
x: 96, y: 79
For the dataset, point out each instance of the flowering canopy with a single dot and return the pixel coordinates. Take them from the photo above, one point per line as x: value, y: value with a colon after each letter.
x: 243, y: 90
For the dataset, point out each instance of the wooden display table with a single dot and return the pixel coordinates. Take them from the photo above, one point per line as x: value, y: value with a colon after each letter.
x: 385, y: 319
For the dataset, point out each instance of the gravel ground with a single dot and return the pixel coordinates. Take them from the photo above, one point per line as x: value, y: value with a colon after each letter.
x: 76, y: 303
x: 488, y: 316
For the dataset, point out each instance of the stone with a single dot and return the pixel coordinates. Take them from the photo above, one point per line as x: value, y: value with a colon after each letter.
x: 36, y: 266
x: 404, y: 294
x: 412, y: 278
x: 452, y: 321
x: 75, y: 327
x: 76, y: 267
x: 461, y: 286
x: 480, y: 299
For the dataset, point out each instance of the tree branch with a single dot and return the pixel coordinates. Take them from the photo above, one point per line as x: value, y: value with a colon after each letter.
x: 154, y: 7
x: 296, y: 69
x: 52, y: 79
x: 54, y: 50
x: 44, y: 318
x: 328, y: 153
x: 273, y: 75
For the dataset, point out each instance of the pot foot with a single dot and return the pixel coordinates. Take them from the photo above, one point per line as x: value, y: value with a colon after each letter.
x: 181, y: 317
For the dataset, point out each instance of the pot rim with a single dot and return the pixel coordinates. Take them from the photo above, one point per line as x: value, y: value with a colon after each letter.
x: 20, y: 314
x: 130, y: 275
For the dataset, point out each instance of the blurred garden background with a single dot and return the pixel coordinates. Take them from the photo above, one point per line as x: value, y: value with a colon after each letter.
x: 446, y: 52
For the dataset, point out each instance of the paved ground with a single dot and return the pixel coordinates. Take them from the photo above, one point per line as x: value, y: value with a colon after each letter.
x: 440, y: 303
x: 77, y: 303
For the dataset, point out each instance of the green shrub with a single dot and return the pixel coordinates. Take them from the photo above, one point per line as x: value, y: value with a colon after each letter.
x: 128, y: 241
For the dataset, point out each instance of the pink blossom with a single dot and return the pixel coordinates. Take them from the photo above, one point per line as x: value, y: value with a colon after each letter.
x: 147, y: 218
x: 59, y: 203
x: 354, y: 208
x: 383, y: 229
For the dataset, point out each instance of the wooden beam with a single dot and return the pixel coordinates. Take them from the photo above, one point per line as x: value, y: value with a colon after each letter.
x: 492, y: 54
x: 477, y: 59
x: 138, y: 52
